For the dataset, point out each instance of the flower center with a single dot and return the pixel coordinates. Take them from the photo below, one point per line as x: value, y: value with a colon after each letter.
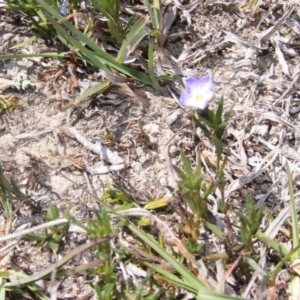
x: 199, y: 98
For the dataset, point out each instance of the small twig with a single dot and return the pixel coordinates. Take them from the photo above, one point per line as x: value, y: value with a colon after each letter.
x: 31, y: 135
x: 97, y: 148
x: 104, y: 169
x: 8, y: 247
x: 88, y: 183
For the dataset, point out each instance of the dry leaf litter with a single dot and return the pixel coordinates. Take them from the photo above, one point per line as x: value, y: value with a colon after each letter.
x: 55, y: 155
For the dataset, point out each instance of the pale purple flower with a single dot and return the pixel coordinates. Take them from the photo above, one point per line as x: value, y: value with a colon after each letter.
x: 198, y: 92
x: 64, y: 7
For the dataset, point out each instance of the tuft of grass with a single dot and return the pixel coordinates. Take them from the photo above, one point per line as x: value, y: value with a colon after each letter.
x: 127, y: 36
x: 12, y: 280
x: 53, y: 235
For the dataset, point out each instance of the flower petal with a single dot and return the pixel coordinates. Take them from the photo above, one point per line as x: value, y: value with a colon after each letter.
x: 198, y: 92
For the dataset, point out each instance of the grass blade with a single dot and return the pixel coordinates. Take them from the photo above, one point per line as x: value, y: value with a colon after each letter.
x: 104, y: 57
x: 99, y: 87
x: 296, y: 255
x: 132, y: 39
x: 152, y: 75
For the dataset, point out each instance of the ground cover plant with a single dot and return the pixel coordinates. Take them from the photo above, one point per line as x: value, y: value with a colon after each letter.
x: 149, y: 149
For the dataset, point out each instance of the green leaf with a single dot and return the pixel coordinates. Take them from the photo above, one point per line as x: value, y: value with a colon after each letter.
x: 218, y: 145
x: 205, y: 117
x: 157, y: 15
x: 272, y: 243
x: 228, y: 114
x: 34, y: 236
x: 124, y: 206
x: 244, y: 219
x: 109, y: 288
x: 172, y: 278
x: 190, y: 278
x: 220, y: 130
x: 255, y: 267
x: 158, y: 203
x: 28, y: 41
x: 152, y: 75
x: 132, y: 39
x: 44, y: 55
x: 99, y: 58
x: 55, y: 242
x: 180, y: 173
x: 97, y: 88
x: 52, y: 213
x: 294, y: 214
x: 151, y: 15
x: 186, y: 166
x: 220, y: 111
x: 214, y: 229
x: 115, y: 30
x: 282, y: 262
x: 76, y: 45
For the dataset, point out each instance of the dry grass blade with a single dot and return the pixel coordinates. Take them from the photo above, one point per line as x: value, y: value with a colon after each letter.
x: 266, y: 35
x: 280, y: 56
x: 264, y: 164
x: 33, y: 229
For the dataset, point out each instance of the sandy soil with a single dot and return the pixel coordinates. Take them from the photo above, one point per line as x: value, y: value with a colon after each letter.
x: 257, y: 71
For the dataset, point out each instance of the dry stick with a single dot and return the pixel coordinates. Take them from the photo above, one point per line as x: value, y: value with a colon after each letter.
x: 104, y: 169
x: 233, y: 38
x: 31, y: 135
x: 61, y: 262
x: 271, y: 232
x: 97, y: 148
x: 273, y: 229
x: 280, y: 56
x: 8, y: 247
x: 141, y: 255
x: 88, y: 183
x: 105, y: 154
x: 91, y: 191
x: 221, y: 282
x: 54, y: 287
